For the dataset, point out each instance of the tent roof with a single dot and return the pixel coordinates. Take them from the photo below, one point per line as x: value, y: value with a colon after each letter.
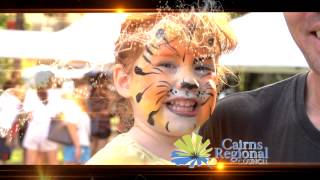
x: 264, y: 45
x: 264, y: 42
x: 91, y: 38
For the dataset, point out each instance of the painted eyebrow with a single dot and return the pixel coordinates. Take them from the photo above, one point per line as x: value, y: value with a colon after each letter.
x: 169, y: 46
x: 163, y: 52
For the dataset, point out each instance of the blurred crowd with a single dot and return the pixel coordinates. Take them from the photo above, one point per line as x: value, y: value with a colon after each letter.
x: 89, y: 109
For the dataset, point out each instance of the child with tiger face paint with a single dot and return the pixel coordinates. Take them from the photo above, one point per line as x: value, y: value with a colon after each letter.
x: 167, y: 66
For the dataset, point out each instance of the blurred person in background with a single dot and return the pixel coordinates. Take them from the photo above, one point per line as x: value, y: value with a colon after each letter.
x: 78, y: 123
x: 10, y: 107
x: 15, y: 79
x: 100, y: 106
x: 41, y: 104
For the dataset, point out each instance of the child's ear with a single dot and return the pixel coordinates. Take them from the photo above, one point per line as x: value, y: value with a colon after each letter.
x: 121, y: 80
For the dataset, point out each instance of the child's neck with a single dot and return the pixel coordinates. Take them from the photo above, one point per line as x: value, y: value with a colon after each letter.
x: 157, y: 143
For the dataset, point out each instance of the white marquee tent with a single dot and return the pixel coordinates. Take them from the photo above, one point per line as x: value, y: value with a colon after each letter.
x: 91, y: 39
x: 264, y: 45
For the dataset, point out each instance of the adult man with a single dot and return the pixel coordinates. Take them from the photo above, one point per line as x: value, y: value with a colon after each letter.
x: 279, y: 121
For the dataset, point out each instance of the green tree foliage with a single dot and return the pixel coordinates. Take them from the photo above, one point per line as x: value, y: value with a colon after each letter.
x: 245, y: 81
x: 3, y: 20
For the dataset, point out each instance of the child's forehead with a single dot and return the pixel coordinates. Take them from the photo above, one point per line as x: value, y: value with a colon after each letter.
x: 177, y: 44
x: 177, y: 48
x: 195, y: 55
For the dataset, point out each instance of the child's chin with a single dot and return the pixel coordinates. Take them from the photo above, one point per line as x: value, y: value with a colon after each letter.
x: 181, y: 128
x: 180, y: 133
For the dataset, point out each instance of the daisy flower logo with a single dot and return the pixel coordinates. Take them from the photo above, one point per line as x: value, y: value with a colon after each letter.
x: 191, y: 151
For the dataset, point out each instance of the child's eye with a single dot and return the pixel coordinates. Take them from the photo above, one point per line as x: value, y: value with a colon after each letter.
x: 203, y: 70
x: 167, y: 65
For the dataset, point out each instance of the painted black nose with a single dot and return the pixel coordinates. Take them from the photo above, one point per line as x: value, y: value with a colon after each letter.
x: 188, y: 86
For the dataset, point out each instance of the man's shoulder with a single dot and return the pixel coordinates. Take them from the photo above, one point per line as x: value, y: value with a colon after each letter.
x: 258, y: 102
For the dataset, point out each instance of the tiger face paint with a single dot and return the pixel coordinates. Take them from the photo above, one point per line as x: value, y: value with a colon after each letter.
x: 173, y: 86
x: 165, y: 65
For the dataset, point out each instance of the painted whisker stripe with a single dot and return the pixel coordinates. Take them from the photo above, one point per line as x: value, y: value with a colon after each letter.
x: 205, y: 101
x: 150, y: 118
x: 168, y: 44
x: 146, y: 59
x: 167, y: 126
x: 139, y: 71
x: 184, y: 55
x: 162, y: 92
x: 160, y: 99
x: 163, y: 86
x: 139, y: 95
x: 148, y: 50
x: 154, y: 46
x: 166, y: 83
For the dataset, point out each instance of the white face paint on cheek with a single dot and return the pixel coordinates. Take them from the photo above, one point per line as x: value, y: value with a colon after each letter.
x: 209, y: 95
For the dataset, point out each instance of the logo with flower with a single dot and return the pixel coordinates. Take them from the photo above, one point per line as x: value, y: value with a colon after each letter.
x: 192, y: 152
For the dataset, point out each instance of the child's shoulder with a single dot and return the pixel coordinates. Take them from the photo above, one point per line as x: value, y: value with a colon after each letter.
x: 124, y: 150
x: 121, y: 150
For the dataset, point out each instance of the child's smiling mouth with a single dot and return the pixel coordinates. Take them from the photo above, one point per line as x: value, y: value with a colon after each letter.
x: 183, y: 106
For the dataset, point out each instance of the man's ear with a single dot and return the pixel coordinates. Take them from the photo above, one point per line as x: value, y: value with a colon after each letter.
x: 121, y: 80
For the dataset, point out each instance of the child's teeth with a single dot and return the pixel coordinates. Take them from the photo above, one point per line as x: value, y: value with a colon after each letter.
x: 318, y: 34
x: 184, y: 103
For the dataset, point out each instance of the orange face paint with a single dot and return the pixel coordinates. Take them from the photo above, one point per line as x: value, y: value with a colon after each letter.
x: 173, y: 80
x: 173, y: 88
